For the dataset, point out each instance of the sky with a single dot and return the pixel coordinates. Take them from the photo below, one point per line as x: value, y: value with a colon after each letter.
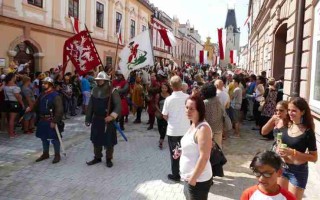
x: 207, y: 15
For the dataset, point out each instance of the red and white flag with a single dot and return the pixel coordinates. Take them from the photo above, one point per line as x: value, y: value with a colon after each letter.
x: 168, y: 37
x: 231, y: 57
x: 119, y: 33
x: 203, y: 57
x: 221, y: 53
x: 81, y: 52
x: 75, y: 24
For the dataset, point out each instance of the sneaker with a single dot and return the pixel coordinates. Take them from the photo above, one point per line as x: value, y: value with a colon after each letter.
x: 174, y: 178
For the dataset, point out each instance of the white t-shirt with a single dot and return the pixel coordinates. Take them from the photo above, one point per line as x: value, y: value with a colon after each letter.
x: 223, y: 97
x: 174, y: 107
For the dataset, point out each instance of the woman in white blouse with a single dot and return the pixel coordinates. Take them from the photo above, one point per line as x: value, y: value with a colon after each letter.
x: 196, y: 144
x: 13, y: 101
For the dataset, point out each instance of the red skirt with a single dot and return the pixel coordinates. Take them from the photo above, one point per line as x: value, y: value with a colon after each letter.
x: 124, y: 107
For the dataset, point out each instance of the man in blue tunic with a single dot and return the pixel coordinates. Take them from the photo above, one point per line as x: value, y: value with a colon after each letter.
x: 103, y: 132
x: 49, y: 107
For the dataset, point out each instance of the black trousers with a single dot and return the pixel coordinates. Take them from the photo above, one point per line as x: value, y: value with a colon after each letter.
x: 98, y: 152
x: 139, y: 111
x: 162, y: 127
x: 256, y: 112
x: 121, y: 121
x: 198, y: 192
x: 173, y: 142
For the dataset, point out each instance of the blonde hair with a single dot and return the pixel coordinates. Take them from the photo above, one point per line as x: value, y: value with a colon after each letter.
x: 25, y: 79
x: 176, y: 82
x: 271, y: 81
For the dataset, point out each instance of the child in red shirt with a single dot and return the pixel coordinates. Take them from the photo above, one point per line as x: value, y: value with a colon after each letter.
x: 267, y: 167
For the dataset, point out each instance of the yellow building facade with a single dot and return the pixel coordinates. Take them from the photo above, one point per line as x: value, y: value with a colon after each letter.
x: 36, y: 30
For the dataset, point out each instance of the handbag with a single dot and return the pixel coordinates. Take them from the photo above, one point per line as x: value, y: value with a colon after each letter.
x: 217, y: 157
x: 158, y: 115
x: 261, y: 105
x: 217, y: 160
x: 227, y: 124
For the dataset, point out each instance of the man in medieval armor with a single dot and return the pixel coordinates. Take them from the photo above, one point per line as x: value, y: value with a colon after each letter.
x: 102, y: 119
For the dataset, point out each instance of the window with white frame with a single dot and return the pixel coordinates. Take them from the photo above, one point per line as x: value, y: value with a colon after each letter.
x: 38, y: 3
x: 132, y: 28
x: 100, y: 14
x: 73, y: 8
x: 315, y: 71
x: 118, y: 21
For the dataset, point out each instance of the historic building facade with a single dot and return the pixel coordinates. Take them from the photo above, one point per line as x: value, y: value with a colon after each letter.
x: 284, y: 40
x: 188, y: 48
x: 160, y: 20
x: 243, y: 58
x: 37, y: 30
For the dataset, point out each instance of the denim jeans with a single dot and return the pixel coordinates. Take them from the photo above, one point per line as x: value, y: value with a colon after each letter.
x: 198, y: 192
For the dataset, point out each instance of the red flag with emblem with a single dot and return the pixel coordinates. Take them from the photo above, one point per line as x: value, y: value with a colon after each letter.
x: 81, y: 52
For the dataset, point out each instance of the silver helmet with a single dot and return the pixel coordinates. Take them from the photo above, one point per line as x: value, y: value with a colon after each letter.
x: 102, y: 76
x: 118, y: 72
x: 48, y: 80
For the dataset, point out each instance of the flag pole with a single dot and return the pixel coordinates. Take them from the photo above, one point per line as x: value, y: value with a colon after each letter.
x: 95, y: 49
x: 113, y: 70
x: 151, y: 41
x: 111, y: 90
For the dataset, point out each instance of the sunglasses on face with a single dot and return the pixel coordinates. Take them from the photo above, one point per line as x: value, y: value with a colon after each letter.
x: 264, y: 174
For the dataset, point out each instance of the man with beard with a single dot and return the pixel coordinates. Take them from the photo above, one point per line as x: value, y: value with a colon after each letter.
x: 103, y: 132
x: 49, y: 108
x: 123, y: 87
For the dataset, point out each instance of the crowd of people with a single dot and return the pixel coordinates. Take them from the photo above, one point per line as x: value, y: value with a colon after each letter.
x: 191, y: 105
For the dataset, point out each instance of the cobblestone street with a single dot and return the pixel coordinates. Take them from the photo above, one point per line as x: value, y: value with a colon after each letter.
x: 140, y: 168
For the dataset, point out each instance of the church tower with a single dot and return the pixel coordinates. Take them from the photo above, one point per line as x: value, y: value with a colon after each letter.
x: 232, y: 37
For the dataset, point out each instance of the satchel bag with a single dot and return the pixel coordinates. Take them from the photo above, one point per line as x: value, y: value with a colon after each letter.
x: 227, y: 124
x: 261, y: 105
x: 217, y: 157
x: 158, y: 115
x: 217, y: 160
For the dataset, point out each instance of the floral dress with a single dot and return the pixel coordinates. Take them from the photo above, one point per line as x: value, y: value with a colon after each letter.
x: 271, y: 103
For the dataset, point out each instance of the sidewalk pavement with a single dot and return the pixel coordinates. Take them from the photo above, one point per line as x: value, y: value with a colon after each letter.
x: 140, y: 168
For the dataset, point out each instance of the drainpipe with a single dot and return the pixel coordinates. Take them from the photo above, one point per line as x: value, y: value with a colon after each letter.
x: 299, y: 27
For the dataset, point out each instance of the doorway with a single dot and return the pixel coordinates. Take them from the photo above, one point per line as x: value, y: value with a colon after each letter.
x: 25, y: 52
x: 279, y: 52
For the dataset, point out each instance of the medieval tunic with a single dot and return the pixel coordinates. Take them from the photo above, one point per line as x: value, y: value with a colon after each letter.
x: 123, y: 89
x: 49, y: 107
x: 102, y: 135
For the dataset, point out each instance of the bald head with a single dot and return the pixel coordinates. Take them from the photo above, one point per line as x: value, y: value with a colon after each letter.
x: 219, y: 84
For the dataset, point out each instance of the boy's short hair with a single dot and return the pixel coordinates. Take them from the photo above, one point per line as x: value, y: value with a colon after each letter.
x: 266, y: 158
x: 236, y: 78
